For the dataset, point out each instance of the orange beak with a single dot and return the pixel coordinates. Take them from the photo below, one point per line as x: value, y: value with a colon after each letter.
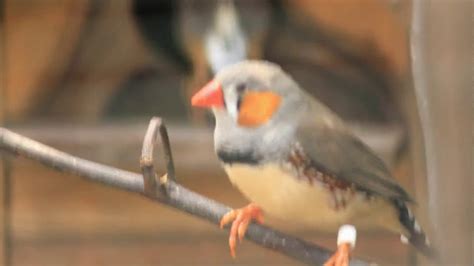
x: 209, y: 96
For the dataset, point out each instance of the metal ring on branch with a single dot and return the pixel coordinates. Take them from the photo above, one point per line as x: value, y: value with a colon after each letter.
x: 147, y: 158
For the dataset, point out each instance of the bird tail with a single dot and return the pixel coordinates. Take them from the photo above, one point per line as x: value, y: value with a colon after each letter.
x: 416, y: 237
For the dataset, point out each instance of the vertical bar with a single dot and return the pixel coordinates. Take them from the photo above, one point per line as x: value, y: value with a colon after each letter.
x: 5, y: 175
x: 2, y: 109
x: 5, y: 199
x: 441, y: 49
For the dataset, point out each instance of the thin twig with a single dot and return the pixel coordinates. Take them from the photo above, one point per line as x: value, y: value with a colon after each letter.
x: 177, y: 196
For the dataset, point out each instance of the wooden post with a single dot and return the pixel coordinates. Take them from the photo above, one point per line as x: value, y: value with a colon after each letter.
x: 5, y: 239
x: 3, y: 223
x: 441, y: 42
x: 2, y: 99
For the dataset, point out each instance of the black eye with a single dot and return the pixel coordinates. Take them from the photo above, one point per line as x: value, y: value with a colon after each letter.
x: 239, y: 102
x: 240, y: 88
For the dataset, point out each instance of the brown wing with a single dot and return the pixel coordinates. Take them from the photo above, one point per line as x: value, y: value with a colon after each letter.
x: 339, y: 154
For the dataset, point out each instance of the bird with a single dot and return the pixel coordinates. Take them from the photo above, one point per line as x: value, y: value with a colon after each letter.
x: 297, y: 161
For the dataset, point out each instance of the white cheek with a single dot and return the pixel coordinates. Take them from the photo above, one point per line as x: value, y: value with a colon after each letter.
x: 232, y: 110
x: 231, y: 105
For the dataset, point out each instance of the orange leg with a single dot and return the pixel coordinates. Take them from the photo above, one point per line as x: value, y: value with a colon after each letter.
x: 341, y: 256
x: 241, y: 219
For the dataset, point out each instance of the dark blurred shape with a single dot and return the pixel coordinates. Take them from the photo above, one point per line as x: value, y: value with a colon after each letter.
x: 146, y: 93
x: 109, y: 50
x: 156, y: 21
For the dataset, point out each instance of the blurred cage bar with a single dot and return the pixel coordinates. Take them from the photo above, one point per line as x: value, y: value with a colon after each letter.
x: 85, y: 76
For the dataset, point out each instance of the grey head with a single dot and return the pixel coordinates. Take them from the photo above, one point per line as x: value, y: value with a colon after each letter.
x: 270, y: 140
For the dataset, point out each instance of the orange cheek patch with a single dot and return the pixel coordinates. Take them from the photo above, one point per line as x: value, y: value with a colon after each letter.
x: 257, y: 107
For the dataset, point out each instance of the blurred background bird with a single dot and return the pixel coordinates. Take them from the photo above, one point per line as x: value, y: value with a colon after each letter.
x: 217, y: 33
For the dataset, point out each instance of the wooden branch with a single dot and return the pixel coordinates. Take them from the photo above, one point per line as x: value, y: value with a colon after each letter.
x: 176, y: 195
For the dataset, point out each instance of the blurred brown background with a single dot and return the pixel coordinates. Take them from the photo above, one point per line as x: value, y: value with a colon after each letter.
x: 85, y: 76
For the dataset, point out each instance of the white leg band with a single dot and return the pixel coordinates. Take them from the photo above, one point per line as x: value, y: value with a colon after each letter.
x: 347, y: 234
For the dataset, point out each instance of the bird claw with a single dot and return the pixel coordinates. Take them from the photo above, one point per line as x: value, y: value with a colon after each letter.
x: 341, y: 256
x: 241, y: 219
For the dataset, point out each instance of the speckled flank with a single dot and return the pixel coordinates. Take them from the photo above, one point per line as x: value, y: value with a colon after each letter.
x: 301, y: 167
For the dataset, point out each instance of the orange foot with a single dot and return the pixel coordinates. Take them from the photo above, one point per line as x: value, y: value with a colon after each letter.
x: 341, y: 256
x: 241, y: 219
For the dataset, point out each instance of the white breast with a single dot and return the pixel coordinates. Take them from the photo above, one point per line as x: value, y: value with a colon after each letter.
x: 287, y: 198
